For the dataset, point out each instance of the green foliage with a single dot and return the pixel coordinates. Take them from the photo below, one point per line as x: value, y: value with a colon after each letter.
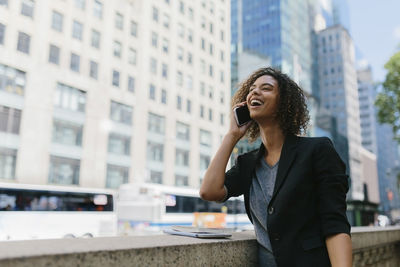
x: 388, y: 101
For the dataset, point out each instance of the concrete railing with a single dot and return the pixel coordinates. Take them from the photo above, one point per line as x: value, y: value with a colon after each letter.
x: 371, y: 247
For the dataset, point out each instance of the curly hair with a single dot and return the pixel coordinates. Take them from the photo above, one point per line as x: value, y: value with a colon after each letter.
x: 292, y: 110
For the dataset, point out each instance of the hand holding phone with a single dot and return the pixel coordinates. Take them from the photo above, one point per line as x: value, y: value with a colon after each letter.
x: 242, y: 115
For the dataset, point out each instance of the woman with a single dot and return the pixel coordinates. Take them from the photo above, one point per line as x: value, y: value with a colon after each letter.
x: 294, y: 187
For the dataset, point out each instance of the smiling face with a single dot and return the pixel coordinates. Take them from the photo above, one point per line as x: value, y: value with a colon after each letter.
x: 263, y: 97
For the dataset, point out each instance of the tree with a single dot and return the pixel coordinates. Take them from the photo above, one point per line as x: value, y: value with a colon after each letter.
x: 388, y: 101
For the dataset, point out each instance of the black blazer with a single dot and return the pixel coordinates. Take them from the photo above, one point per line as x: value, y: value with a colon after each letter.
x: 308, y: 202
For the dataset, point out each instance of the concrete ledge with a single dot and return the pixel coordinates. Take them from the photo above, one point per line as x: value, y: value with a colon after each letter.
x: 372, y: 246
x: 163, y: 250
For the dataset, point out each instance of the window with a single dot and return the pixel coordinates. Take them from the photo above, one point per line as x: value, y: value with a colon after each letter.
x: 67, y: 133
x: 182, y: 131
x: 131, y: 84
x: 188, y: 106
x: 153, y: 65
x: 182, y: 157
x: 133, y: 28
x: 221, y: 97
x: 201, y: 111
x: 70, y: 98
x: 222, y: 119
x: 181, y: 30
x: 77, y: 29
x: 57, y: 21
x: 203, y: 44
x: 211, y: 49
x: 204, y: 162
x: 117, y: 49
x: 166, y: 20
x: 95, y: 41
x: 119, y: 144
x: 154, y: 39
x: 222, y: 76
x: 210, y: 114
x: 155, y: 14
x: 10, y: 120
x: 165, y: 45
x: 202, y: 89
x: 211, y: 28
x: 64, y: 170
x: 211, y: 92
x: 2, y: 33
x: 211, y: 71
x: 164, y: 71
x: 164, y: 96
x: 155, y: 177
x: 98, y: 9
x: 27, y: 8
x: 75, y: 62
x: 189, y: 82
x: 190, y: 58
x: 121, y: 113
x: 80, y: 4
x: 119, y: 21
x: 115, y: 78
x: 181, y: 180
x: 190, y: 35
x: 23, y: 42
x: 12, y: 80
x: 222, y: 56
x: 180, y: 53
x: 190, y: 13
x: 152, y: 92
x: 179, y: 102
x: 94, y: 69
x: 4, y: 3
x: 181, y: 7
x: 179, y: 78
x: 8, y: 159
x: 156, y: 124
x: 155, y: 151
x: 222, y: 35
x: 205, y: 138
x: 116, y: 175
x: 54, y: 54
x: 203, y: 22
x: 132, y: 56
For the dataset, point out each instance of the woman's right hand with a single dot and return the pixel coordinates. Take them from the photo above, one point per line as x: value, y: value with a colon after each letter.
x: 234, y: 129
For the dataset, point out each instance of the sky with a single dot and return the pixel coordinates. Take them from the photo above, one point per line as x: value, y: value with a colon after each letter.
x: 375, y: 29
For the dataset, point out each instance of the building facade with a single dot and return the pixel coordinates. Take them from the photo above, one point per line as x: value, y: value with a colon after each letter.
x: 98, y: 93
x: 339, y: 95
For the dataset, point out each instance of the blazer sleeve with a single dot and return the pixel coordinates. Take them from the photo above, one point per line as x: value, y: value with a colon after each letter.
x: 332, y: 186
x: 234, y: 181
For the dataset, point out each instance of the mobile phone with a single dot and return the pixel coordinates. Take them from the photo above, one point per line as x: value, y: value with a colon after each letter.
x: 242, y: 115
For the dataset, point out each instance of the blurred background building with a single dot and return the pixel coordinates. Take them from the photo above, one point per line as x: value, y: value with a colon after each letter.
x: 98, y: 93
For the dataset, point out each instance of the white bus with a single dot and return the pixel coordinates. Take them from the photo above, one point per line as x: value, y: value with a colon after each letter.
x: 42, y: 211
x: 146, y: 208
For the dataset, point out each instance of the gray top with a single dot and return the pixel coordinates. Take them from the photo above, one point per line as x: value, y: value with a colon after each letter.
x: 261, y: 191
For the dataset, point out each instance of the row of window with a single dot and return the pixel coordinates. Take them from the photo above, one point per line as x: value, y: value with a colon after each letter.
x: 66, y: 171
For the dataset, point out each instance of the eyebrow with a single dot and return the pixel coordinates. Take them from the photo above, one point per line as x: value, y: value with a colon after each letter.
x: 263, y: 85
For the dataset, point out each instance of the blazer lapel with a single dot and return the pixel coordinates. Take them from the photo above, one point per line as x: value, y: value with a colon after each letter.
x: 287, y: 157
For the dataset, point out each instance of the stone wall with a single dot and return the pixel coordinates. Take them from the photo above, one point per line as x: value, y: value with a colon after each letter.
x: 372, y: 246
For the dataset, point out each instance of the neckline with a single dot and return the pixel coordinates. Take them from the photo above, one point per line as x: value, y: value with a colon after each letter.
x: 269, y: 166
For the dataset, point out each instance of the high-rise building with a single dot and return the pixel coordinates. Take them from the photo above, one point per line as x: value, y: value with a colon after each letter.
x: 339, y: 95
x: 98, y: 93
x: 279, y: 30
x: 366, y: 96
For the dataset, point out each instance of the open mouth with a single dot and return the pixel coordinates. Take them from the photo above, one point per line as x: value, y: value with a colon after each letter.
x: 256, y: 103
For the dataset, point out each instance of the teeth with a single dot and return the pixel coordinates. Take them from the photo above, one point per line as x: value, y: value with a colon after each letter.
x: 256, y: 102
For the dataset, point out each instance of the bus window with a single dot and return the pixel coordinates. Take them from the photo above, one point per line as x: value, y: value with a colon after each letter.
x: 38, y: 200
